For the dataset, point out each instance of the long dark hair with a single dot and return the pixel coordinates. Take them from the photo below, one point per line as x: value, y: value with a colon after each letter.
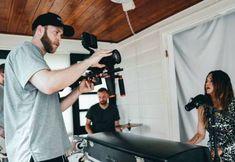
x: 222, y: 87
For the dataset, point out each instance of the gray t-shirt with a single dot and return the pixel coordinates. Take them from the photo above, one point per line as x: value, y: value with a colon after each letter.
x: 33, y: 120
x: 1, y: 107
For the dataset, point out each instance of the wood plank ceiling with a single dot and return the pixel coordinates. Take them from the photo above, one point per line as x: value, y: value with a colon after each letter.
x: 102, y: 18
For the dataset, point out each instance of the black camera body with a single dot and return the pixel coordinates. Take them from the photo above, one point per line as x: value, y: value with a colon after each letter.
x: 89, y: 42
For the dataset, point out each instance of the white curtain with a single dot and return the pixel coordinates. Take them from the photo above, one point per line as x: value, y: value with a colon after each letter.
x: 197, y: 51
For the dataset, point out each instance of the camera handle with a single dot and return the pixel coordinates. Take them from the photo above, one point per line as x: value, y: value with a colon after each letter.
x: 90, y: 50
x: 211, y: 113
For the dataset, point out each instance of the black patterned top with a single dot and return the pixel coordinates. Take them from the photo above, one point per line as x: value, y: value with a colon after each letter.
x: 224, y: 131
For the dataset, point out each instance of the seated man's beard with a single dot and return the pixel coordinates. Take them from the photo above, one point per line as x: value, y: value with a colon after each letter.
x: 103, y: 102
x: 46, y: 42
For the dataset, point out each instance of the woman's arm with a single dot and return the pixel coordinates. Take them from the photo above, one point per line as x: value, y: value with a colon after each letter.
x: 201, y: 131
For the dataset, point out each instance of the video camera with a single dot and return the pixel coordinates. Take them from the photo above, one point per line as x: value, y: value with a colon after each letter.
x: 109, y: 73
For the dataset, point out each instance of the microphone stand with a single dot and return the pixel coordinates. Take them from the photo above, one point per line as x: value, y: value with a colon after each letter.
x: 211, y: 113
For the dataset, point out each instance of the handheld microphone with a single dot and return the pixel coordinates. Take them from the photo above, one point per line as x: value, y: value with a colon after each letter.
x: 121, y: 86
x: 197, y: 101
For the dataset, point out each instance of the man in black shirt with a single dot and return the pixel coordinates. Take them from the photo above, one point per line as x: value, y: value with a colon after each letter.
x: 102, y: 117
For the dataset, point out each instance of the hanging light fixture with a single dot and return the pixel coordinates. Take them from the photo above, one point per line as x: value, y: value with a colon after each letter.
x: 126, y: 4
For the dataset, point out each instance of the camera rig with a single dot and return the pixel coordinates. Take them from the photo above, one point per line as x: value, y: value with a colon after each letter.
x: 109, y: 73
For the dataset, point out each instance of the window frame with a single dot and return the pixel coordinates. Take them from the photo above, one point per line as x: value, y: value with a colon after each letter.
x: 78, y: 129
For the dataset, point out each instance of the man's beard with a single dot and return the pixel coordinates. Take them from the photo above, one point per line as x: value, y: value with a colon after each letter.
x: 46, y: 42
x: 103, y: 103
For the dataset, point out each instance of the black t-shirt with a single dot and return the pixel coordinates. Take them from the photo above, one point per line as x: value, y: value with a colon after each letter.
x: 103, y: 120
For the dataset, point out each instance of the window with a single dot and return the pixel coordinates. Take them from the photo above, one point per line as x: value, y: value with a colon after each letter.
x: 85, y: 101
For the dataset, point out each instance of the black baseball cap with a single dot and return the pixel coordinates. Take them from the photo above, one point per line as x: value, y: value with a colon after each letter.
x: 55, y: 20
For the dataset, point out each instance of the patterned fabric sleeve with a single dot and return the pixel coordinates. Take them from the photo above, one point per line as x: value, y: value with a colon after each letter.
x: 229, y: 146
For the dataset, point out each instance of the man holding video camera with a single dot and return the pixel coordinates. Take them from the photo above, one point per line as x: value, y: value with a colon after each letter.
x: 34, y: 125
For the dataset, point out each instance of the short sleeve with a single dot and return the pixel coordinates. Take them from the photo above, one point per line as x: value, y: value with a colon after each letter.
x: 26, y: 61
x: 89, y: 113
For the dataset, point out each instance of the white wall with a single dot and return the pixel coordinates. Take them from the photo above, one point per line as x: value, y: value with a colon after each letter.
x: 145, y: 100
x: 149, y: 75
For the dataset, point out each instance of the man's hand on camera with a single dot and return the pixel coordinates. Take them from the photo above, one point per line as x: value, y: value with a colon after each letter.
x: 86, y: 86
x: 97, y: 56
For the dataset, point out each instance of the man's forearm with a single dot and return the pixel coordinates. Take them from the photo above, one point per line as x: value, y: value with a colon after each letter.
x: 88, y: 129
x: 51, y: 81
x: 59, y: 79
x: 70, y: 99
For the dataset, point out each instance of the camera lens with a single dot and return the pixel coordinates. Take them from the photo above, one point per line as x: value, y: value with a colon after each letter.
x: 116, y: 56
x: 109, y: 61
